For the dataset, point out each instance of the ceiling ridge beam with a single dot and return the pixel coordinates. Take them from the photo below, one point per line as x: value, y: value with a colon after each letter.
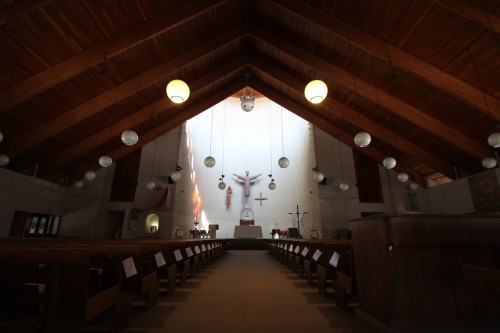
x: 329, y: 128
x: 171, y: 123
x: 383, y: 134
x: 161, y: 105
x: 401, y: 59
x: 368, y: 90
x: 110, y: 97
x: 472, y: 13
x: 77, y: 64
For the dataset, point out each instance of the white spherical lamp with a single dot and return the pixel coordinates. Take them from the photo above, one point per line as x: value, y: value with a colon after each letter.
x: 272, y: 185
x: 4, y: 160
x: 178, y: 91
x: 247, y: 102
x: 222, y: 185
x: 318, y: 176
x: 176, y: 176
x: 105, y: 161
x: 78, y: 184
x: 389, y: 162
x: 209, y: 162
x: 1, y: 136
x: 316, y: 91
x: 489, y: 162
x: 283, y: 162
x: 413, y: 186
x: 494, y: 139
x: 90, y: 175
x: 151, y: 185
x: 362, y: 139
x: 403, y: 177
x: 344, y: 187
x: 130, y: 137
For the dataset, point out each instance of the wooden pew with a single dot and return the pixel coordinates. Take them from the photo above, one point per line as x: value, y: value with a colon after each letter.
x: 63, y: 272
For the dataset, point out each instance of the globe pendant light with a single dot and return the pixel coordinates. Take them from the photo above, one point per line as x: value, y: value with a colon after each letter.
x: 272, y: 185
x: 90, y: 175
x: 489, y: 162
x: 283, y: 162
x: 316, y: 91
x: 413, y: 186
x: 221, y: 185
x: 494, y: 139
x: 362, y: 139
x: 1, y: 136
x: 130, y: 137
x: 318, y: 176
x: 176, y: 175
x: 105, y: 161
x: 178, y: 91
x: 403, y: 177
x: 4, y: 160
x: 344, y: 187
x: 389, y: 162
x: 247, y: 102
x: 78, y: 184
x: 151, y: 185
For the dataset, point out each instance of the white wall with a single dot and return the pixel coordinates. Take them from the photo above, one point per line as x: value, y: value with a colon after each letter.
x: 249, y: 144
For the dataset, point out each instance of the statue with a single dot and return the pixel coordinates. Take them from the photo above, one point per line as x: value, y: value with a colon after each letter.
x: 247, y: 180
x: 229, y: 191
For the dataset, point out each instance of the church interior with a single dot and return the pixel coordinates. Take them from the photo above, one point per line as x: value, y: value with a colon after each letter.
x: 345, y: 149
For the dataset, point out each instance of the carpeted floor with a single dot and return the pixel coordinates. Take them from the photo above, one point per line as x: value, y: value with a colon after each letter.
x: 244, y: 292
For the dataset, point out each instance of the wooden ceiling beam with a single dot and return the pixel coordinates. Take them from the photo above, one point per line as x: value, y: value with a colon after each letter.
x: 368, y: 90
x: 472, y: 13
x: 329, y: 128
x: 73, y: 66
x: 361, y: 121
x: 401, y: 59
x: 174, y: 121
x: 162, y: 105
x: 19, y: 8
x: 110, y: 97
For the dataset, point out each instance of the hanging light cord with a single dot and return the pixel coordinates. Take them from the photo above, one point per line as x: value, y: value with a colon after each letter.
x: 211, y: 129
x: 270, y: 137
x: 341, y: 165
x: 282, y: 140
x: 223, y: 137
x: 154, y: 153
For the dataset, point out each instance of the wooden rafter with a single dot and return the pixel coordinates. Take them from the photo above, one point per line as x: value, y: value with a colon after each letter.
x: 388, y: 101
x: 401, y: 59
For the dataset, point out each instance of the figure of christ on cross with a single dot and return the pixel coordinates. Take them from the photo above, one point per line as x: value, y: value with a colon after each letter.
x: 247, y: 180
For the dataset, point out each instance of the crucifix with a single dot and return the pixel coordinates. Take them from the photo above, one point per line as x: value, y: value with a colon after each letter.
x: 298, y: 217
x: 260, y: 198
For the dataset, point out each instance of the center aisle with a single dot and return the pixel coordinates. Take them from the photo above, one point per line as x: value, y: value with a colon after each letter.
x: 244, y: 291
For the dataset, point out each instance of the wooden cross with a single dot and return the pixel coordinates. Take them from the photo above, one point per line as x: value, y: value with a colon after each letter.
x: 260, y: 198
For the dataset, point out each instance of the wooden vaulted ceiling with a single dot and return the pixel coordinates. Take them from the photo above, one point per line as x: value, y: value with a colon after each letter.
x: 422, y: 77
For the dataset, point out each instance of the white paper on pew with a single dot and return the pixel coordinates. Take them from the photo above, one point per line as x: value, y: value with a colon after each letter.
x: 290, y: 248
x: 197, y: 249
x: 160, y: 260
x: 305, y: 251
x: 297, y: 250
x: 178, y: 255
x: 129, y: 267
x: 334, y: 260
x: 203, y: 248
x: 209, y: 247
x: 189, y: 252
x: 316, y: 255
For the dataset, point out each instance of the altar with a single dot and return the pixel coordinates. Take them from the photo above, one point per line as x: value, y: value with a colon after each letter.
x: 253, y: 231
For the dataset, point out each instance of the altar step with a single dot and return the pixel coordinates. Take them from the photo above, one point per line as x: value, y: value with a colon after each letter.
x: 246, y: 244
